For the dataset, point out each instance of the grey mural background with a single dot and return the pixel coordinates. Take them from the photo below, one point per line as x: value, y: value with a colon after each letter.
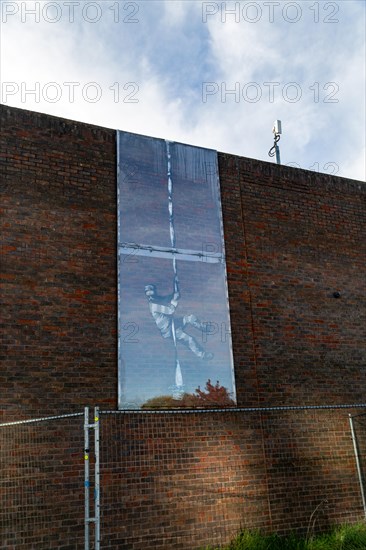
x: 170, y: 236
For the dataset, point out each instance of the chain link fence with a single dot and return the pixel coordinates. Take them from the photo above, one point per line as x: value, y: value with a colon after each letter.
x: 185, y: 480
x: 131, y: 480
x: 42, y: 484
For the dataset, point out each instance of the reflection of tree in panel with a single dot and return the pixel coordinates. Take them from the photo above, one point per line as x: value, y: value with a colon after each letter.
x: 214, y: 396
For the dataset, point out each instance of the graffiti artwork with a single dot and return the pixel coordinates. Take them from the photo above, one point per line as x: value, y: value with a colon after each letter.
x: 174, y: 324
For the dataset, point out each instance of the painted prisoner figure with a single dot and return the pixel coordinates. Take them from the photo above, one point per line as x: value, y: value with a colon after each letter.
x: 162, y: 308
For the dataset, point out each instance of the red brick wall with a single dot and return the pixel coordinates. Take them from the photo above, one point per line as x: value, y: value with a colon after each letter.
x: 293, y: 238
x: 58, y: 265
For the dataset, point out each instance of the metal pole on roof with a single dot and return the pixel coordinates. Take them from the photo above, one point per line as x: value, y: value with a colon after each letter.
x: 275, y: 150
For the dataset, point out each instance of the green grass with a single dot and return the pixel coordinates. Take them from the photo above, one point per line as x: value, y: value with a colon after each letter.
x: 347, y: 537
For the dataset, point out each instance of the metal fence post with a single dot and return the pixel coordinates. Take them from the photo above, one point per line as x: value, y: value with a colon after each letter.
x: 359, y: 471
x: 97, y: 479
x: 86, y: 476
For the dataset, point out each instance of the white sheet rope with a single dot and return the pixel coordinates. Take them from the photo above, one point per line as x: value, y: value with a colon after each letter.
x: 178, y: 388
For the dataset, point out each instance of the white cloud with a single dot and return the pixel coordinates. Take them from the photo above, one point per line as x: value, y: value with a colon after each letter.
x: 175, y: 13
x: 164, y: 57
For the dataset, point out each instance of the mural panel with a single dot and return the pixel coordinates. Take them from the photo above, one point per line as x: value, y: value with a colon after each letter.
x: 174, y: 324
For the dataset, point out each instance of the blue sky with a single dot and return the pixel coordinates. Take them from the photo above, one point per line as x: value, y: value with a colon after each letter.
x: 166, y: 68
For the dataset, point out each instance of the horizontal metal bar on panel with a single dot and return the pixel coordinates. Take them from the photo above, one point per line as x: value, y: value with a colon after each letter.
x: 132, y: 249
